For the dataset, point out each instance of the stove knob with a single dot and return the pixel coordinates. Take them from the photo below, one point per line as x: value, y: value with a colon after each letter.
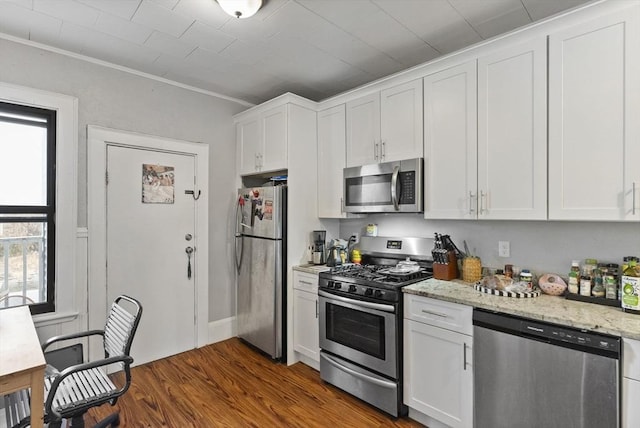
x: 337, y: 286
x: 378, y: 294
x: 368, y: 292
x: 329, y: 284
x: 352, y: 288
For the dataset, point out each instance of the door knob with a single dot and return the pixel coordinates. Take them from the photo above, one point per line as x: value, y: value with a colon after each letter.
x: 188, y: 237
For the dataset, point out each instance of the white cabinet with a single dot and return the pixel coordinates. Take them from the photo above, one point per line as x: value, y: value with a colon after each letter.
x: 486, y: 157
x: 385, y: 126
x: 438, y: 360
x: 305, y: 316
x: 512, y: 133
x: 450, y: 143
x: 594, y: 125
x: 331, y: 161
x: 630, y: 383
x: 263, y: 141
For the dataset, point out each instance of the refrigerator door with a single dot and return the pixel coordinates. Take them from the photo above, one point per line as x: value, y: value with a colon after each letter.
x: 261, y: 211
x: 259, y: 307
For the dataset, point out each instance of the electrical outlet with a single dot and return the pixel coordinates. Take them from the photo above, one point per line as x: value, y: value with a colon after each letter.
x: 356, y: 237
x: 504, y: 249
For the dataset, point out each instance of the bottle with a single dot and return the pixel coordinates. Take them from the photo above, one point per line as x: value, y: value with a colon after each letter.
x: 575, y: 267
x: 527, y: 277
x: 574, y: 282
x: 631, y: 288
x: 598, y: 286
x: 611, y: 287
x: 585, y: 285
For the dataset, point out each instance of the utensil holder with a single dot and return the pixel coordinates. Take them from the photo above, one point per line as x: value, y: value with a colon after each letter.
x: 446, y: 271
x: 471, y: 269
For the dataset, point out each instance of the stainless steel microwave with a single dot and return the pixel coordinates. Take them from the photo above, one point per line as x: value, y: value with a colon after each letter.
x: 384, y: 187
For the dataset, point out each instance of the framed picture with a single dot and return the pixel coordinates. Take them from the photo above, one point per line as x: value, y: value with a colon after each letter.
x: 158, y: 184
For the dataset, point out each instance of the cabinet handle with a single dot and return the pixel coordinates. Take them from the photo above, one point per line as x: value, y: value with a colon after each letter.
x: 464, y: 356
x: 383, y: 151
x: 482, y: 195
x: 317, y: 308
x: 471, y: 210
x: 342, y: 205
x: 305, y: 282
x: 438, y: 314
x: 375, y: 151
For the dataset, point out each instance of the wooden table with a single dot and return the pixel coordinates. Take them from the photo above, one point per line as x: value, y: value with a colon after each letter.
x: 21, y: 359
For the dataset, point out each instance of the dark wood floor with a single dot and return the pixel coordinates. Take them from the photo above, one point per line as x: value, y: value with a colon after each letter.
x: 228, y: 384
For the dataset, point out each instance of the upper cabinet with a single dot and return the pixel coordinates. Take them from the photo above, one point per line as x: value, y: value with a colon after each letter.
x: 263, y: 141
x: 331, y: 161
x: 385, y: 126
x: 485, y: 137
x: 594, y: 119
x: 512, y: 133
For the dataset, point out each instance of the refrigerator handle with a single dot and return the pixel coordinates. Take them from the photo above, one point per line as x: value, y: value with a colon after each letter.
x: 238, y: 236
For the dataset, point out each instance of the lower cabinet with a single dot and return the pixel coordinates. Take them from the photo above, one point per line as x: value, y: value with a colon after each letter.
x: 438, y: 362
x: 305, y: 318
x: 630, y: 383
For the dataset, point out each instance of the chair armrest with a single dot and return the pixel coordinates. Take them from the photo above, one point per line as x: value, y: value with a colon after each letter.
x: 126, y: 359
x: 62, y: 337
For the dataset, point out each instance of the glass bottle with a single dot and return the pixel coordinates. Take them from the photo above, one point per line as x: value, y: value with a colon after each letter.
x: 597, y: 289
x: 611, y: 287
x: 630, y: 285
x: 574, y: 282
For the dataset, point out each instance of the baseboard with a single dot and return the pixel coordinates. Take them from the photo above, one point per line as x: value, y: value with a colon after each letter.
x: 222, y: 329
x: 426, y: 420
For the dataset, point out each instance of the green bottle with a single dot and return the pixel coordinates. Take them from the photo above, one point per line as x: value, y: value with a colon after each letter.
x: 631, y: 288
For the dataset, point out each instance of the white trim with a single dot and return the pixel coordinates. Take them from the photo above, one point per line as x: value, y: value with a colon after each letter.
x: 222, y: 329
x: 66, y: 185
x: 122, y: 68
x: 55, y: 319
x: 97, y: 140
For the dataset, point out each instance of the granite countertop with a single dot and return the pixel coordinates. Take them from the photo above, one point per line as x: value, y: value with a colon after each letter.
x: 553, y: 309
x: 312, y: 269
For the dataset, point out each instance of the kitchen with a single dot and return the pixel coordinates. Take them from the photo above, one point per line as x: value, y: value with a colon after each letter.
x: 123, y: 101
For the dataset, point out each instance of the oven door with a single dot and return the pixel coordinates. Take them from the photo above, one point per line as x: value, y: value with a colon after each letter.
x: 362, y: 332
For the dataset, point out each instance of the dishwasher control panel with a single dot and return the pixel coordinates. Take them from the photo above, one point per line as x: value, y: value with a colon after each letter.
x: 577, y: 337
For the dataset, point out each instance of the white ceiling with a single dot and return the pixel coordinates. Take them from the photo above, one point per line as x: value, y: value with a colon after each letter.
x: 313, y: 48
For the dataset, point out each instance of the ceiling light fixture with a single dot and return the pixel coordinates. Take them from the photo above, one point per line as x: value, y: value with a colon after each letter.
x: 240, y: 8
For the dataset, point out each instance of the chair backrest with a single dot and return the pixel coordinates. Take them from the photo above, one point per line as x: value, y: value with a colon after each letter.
x: 121, y: 326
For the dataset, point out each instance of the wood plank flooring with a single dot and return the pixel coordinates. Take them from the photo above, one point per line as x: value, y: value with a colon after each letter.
x: 229, y: 384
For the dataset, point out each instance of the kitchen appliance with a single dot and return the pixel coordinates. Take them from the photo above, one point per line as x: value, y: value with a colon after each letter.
x: 534, y: 374
x: 337, y: 253
x: 384, y: 187
x: 361, y: 319
x: 319, y: 240
x: 260, y: 256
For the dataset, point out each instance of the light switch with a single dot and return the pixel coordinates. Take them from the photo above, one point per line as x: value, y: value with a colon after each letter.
x: 504, y: 249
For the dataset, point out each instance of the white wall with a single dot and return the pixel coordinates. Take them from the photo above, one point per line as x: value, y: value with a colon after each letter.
x: 543, y: 246
x: 120, y: 100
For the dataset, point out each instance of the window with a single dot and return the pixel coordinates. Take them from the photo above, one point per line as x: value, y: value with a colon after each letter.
x: 27, y: 206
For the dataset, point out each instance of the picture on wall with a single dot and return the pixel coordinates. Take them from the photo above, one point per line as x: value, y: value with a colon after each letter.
x: 158, y: 184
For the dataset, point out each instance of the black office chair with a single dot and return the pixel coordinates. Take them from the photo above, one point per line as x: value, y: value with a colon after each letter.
x: 71, y: 392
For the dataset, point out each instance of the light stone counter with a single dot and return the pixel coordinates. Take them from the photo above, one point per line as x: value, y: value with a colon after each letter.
x: 312, y: 269
x: 553, y: 309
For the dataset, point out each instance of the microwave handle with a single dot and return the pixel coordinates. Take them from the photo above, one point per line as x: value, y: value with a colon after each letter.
x: 394, y: 187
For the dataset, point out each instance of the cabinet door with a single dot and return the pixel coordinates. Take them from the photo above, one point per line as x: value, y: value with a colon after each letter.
x: 512, y: 133
x: 401, y: 132
x: 331, y: 161
x: 630, y: 400
x: 438, y: 373
x: 274, y: 130
x: 363, y: 130
x: 305, y: 327
x: 450, y: 144
x: 249, y: 140
x: 594, y: 125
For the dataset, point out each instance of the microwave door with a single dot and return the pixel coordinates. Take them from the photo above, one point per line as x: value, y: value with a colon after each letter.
x: 368, y: 193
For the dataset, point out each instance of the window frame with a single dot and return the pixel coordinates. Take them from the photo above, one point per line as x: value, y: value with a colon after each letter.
x: 48, y: 210
x: 68, y: 297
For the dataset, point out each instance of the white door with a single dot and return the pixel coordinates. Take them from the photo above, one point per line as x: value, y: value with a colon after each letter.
x: 363, y: 130
x: 146, y: 245
x: 138, y: 248
x: 401, y: 132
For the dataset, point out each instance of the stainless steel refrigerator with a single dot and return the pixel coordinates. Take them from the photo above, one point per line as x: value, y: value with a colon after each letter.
x: 260, y: 255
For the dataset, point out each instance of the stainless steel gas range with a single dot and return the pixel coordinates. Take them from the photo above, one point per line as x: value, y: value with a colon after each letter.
x: 361, y: 319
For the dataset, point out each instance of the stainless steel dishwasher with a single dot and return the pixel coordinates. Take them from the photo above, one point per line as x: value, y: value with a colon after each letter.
x: 533, y: 374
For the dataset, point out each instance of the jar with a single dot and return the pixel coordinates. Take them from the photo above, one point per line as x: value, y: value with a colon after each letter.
x: 588, y: 266
x: 574, y: 283
x: 585, y: 286
x: 527, y: 277
x: 575, y: 266
x: 508, y: 271
x: 598, y: 286
x: 610, y: 287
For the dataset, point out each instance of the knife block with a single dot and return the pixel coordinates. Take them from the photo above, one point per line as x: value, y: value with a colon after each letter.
x: 446, y: 271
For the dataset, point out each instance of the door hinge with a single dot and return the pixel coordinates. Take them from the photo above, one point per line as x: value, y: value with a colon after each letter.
x: 106, y: 177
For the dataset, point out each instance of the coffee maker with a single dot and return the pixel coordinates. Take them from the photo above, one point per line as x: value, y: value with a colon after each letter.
x: 319, y: 237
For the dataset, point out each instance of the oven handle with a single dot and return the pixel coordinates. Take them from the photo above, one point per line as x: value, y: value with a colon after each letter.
x: 379, y: 382
x: 369, y: 305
